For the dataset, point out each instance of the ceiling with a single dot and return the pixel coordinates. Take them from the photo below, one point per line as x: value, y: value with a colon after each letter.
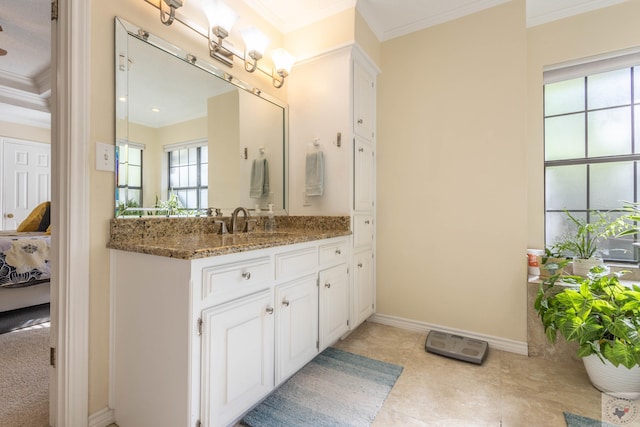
x: 25, y: 83
x: 24, y: 71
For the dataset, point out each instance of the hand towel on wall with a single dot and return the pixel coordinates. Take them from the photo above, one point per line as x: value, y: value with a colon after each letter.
x: 259, y: 186
x: 314, y: 174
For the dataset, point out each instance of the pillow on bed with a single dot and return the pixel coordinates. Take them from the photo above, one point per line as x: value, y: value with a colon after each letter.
x: 38, y: 219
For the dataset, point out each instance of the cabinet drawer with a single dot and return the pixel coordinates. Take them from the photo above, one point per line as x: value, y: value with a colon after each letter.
x: 296, y: 263
x: 225, y: 282
x: 333, y: 253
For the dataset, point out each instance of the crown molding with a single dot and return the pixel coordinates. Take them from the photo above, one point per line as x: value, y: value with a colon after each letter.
x: 560, y: 12
x: 420, y: 24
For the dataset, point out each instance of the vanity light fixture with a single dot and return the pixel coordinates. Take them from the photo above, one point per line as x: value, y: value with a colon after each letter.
x: 173, y: 5
x: 282, y: 63
x: 221, y: 18
x: 255, y: 44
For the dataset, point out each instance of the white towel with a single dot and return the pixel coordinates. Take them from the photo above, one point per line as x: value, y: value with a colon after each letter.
x: 259, y: 186
x: 314, y: 174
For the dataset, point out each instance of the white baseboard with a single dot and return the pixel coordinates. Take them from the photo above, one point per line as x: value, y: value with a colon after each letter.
x: 498, y: 343
x: 102, y: 418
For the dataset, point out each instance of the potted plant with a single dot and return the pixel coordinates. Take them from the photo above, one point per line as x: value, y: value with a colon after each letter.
x: 603, y: 317
x: 582, y: 241
x: 551, y: 263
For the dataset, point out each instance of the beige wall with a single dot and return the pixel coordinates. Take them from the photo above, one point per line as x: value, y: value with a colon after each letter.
x: 29, y: 133
x: 451, y: 190
x: 460, y: 159
x: 367, y: 39
x: 322, y: 36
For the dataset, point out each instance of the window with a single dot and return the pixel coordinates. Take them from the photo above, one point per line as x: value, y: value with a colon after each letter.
x: 129, y: 173
x: 188, y: 175
x: 592, y: 146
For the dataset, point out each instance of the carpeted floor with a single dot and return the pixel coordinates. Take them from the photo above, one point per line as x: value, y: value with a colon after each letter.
x: 24, y: 377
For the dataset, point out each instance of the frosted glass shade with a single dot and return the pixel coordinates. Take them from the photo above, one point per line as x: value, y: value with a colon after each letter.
x: 254, y: 40
x: 219, y: 14
x: 282, y: 61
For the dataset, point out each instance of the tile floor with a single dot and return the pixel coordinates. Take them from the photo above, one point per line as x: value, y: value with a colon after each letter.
x: 506, y: 390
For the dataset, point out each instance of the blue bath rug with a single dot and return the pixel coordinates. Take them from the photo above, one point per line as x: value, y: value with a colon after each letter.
x: 336, y: 388
x: 574, y: 420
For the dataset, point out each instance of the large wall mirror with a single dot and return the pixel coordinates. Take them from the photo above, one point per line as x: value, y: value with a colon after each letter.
x: 191, y: 137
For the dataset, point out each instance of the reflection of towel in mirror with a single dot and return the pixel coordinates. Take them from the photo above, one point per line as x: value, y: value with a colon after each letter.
x: 314, y: 174
x: 259, y: 186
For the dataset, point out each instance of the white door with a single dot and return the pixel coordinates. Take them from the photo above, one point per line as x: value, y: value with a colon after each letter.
x: 26, y: 176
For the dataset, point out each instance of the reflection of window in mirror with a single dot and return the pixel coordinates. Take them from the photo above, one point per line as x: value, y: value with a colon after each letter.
x: 189, y: 175
x: 129, y: 174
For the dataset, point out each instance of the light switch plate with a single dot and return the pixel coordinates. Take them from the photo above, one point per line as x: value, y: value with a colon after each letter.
x: 105, y: 157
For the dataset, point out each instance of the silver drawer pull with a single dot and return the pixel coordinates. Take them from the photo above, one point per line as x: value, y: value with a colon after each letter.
x: 361, y: 150
x: 327, y: 285
x: 338, y: 252
x: 246, y: 275
x: 360, y: 121
x: 285, y: 302
x: 367, y: 222
x: 359, y: 265
x: 269, y: 310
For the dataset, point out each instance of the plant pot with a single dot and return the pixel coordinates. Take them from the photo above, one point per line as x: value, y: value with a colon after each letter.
x: 546, y: 272
x: 614, y: 381
x: 581, y: 266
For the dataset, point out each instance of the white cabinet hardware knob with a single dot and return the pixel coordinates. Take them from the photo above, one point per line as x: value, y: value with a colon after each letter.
x: 269, y: 310
x: 338, y: 251
x: 360, y: 121
x: 327, y: 285
x: 359, y: 265
x: 367, y: 222
x: 246, y: 275
x: 361, y: 150
x: 285, y: 302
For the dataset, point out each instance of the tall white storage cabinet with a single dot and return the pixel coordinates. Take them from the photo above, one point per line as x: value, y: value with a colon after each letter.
x: 332, y: 100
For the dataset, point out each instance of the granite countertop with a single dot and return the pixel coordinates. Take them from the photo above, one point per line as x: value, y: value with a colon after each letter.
x: 193, y: 238
x: 207, y: 245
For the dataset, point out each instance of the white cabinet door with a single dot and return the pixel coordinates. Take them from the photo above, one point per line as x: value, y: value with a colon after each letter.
x: 237, y: 357
x: 364, y: 96
x: 334, y: 304
x: 364, y: 292
x: 362, y: 231
x: 296, y: 325
x: 363, y: 169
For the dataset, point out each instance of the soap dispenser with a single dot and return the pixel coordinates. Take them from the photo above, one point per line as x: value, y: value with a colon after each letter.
x: 270, y: 224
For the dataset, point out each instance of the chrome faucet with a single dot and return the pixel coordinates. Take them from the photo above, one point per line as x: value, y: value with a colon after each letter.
x: 234, y: 218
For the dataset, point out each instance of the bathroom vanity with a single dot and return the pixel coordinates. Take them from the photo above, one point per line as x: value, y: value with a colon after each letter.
x: 206, y: 325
